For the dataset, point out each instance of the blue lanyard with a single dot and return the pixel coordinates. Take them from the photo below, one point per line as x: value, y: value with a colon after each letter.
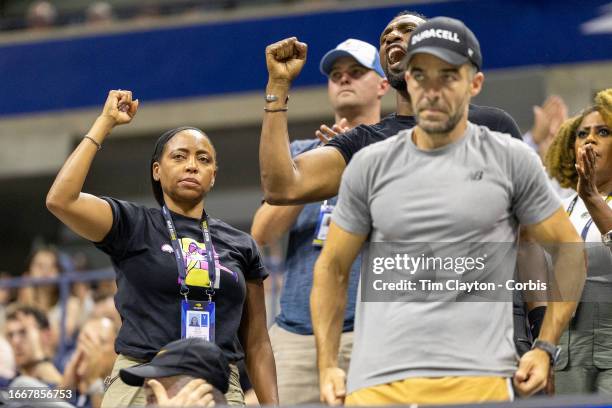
x: 178, y: 251
x: 587, y: 226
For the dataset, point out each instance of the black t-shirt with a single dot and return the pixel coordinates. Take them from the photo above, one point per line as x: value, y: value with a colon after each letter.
x: 148, y: 297
x: 359, y: 137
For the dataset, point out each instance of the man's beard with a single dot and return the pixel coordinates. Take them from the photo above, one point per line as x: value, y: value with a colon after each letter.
x: 440, y: 128
x: 397, y: 81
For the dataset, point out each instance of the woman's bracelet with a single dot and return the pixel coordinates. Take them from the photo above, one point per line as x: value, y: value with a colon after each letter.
x: 98, y: 145
x: 284, y: 109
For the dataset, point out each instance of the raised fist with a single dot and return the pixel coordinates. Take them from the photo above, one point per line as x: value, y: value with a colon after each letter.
x: 285, y: 59
x: 120, y: 107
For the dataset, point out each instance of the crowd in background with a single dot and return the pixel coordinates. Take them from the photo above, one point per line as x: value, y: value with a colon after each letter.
x: 86, y: 301
x: 47, y: 14
x: 66, y: 338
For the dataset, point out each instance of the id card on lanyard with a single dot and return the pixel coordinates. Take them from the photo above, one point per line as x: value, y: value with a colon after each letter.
x: 324, y: 220
x: 197, y: 317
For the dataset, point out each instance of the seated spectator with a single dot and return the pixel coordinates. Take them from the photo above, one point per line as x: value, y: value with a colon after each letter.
x: 44, y: 263
x: 99, y: 13
x: 185, y: 373
x: 104, y: 306
x: 108, y: 286
x: 41, y: 15
x: 91, y: 362
x: 29, y: 334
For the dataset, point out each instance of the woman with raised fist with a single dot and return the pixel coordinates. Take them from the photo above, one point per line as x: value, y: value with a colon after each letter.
x: 174, y: 263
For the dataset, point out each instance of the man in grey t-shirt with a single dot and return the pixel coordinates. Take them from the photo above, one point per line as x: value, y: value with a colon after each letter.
x: 445, y: 181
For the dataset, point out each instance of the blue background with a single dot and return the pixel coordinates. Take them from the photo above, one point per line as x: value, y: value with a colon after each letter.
x: 210, y: 59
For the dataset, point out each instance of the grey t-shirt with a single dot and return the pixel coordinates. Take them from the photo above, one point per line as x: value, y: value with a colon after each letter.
x: 478, y: 189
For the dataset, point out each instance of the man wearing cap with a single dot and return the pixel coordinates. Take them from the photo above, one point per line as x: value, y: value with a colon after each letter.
x: 356, y: 84
x: 185, y: 373
x: 315, y: 175
x: 445, y: 181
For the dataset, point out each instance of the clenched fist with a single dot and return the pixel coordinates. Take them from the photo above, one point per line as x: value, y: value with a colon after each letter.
x: 285, y: 59
x: 119, y: 107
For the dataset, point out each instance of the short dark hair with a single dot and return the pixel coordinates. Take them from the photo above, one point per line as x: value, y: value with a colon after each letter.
x: 16, y: 309
x: 410, y: 13
x: 101, y: 295
x: 157, y: 154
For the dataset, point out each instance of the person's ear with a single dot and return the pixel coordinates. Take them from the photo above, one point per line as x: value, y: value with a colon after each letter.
x: 476, y: 85
x: 156, y: 171
x: 383, y: 87
x: 212, y: 181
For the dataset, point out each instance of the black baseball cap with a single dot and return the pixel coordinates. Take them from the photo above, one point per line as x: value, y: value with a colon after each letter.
x: 194, y: 357
x: 448, y: 39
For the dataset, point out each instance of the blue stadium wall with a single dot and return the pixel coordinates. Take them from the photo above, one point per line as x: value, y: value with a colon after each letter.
x: 219, y: 58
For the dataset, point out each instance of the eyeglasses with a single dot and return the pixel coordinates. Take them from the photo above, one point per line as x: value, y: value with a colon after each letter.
x: 354, y: 73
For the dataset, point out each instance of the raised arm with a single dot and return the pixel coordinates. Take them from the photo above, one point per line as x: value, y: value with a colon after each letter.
x: 569, y: 276
x: 85, y: 214
x: 327, y: 304
x: 312, y: 176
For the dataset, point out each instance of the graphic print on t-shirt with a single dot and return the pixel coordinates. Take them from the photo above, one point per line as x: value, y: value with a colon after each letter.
x: 194, y: 253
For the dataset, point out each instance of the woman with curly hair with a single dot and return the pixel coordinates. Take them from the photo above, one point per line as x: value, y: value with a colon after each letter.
x: 580, y: 157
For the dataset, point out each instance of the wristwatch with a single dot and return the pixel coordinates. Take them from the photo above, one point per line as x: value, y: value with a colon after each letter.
x: 273, y: 98
x: 607, y: 239
x: 552, y: 350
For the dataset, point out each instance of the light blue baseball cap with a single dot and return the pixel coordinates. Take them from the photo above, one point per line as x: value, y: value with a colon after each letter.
x: 364, y: 53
